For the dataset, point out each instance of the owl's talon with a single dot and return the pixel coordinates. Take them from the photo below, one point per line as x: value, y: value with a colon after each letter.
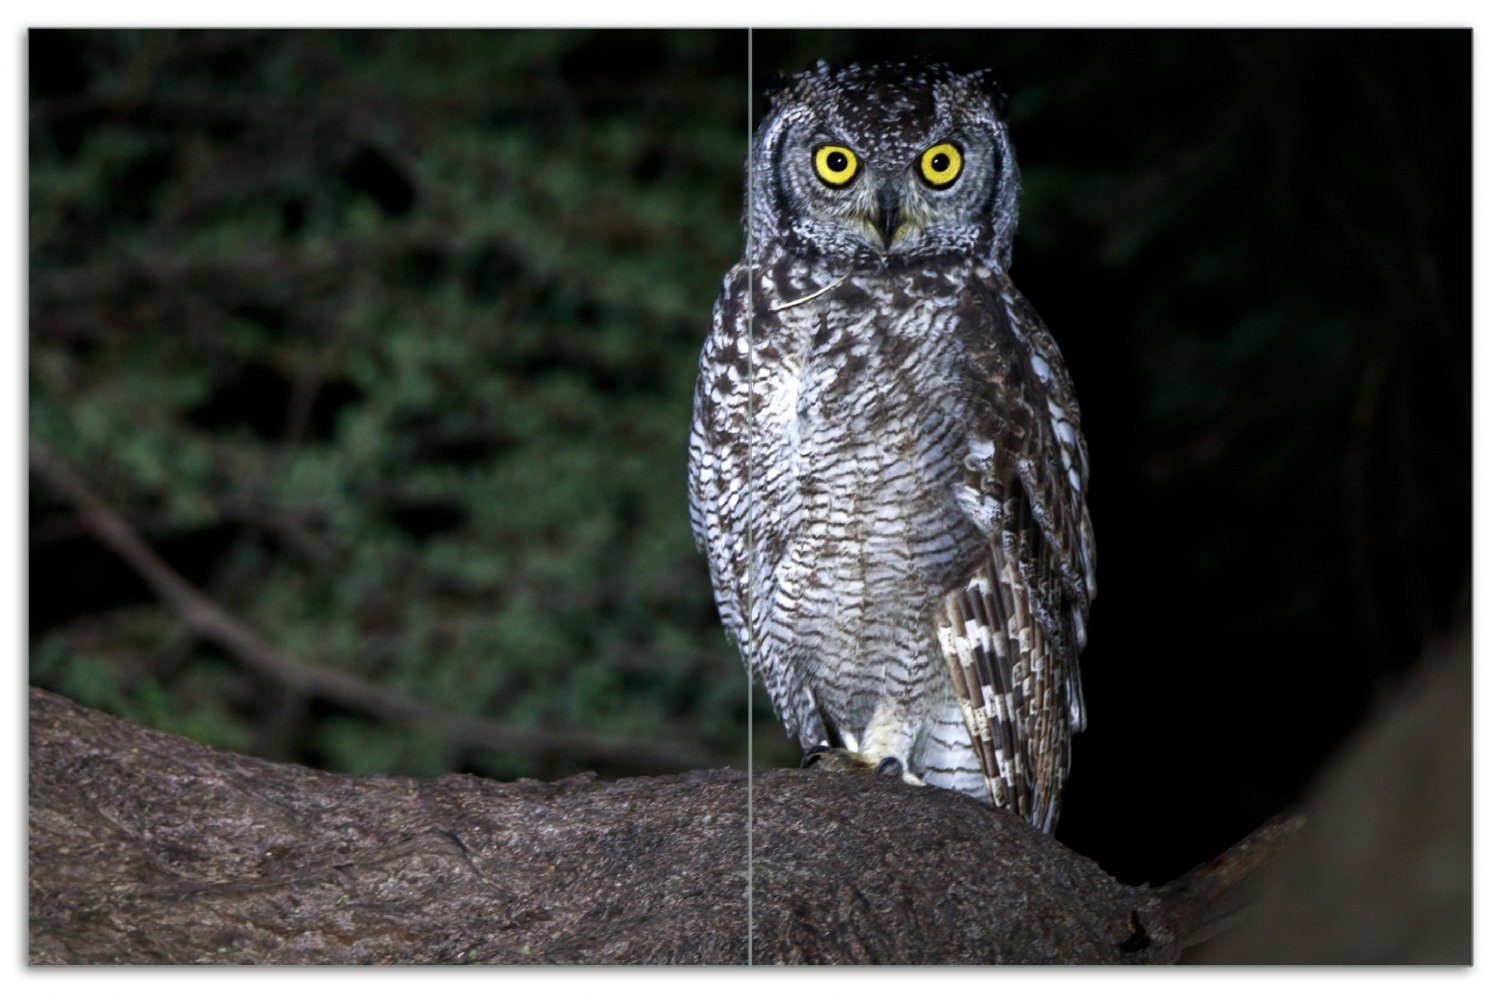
x: 836, y: 760
x: 811, y: 756
x: 890, y: 766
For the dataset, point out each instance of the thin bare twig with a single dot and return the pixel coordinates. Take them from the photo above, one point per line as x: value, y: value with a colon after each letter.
x: 203, y: 616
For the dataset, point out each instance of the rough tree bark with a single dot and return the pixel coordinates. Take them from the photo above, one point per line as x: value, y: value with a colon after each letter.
x: 148, y: 848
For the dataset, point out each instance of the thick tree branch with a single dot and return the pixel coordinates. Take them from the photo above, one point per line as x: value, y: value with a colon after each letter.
x: 201, y: 615
x: 145, y: 847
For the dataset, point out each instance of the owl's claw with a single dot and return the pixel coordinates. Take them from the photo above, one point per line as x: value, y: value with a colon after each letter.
x: 835, y: 760
x: 890, y: 766
x: 811, y: 756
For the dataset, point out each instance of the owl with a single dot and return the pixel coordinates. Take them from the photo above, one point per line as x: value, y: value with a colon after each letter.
x: 886, y: 470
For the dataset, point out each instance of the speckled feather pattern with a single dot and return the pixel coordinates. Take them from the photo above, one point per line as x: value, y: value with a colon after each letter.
x: 888, y: 477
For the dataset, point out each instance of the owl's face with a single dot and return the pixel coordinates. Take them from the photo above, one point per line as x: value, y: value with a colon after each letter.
x: 875, y: 165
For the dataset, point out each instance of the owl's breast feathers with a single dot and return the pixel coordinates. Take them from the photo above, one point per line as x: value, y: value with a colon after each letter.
x: 917, y: 480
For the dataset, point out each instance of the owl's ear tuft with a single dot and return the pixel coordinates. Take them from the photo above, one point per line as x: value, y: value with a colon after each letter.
x: 779, y: 88
x: 983, y: 81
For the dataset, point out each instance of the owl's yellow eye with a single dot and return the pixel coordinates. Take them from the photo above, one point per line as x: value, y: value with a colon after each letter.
x: 941, y: 164
x: 835, y: 164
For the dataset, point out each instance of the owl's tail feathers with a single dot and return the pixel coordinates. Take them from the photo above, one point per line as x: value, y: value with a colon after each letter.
x: 1205, y: 901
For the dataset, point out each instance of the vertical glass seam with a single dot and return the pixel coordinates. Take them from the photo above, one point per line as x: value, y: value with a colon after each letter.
x: 750, y: 496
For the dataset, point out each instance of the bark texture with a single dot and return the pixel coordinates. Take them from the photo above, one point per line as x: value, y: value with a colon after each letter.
x: 148, y: 848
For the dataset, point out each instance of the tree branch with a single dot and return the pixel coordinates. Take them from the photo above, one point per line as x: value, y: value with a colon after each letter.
x: 201, y: 615
x: 148, y: 848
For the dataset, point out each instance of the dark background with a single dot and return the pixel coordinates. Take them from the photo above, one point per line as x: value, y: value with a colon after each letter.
x: 387, y: 341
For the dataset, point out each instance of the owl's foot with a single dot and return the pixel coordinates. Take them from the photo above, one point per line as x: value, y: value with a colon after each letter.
x: 844, y: 761
x: 811, y: 756
x: 891, y: 766
x: 836, y: 760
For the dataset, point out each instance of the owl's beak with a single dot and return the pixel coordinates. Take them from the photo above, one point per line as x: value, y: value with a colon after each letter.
x: 890, y: 216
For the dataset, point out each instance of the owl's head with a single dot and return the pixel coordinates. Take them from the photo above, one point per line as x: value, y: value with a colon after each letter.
x: 877, y: 164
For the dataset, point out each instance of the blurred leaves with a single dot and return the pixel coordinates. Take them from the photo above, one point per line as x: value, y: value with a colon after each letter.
x: 391, y: 337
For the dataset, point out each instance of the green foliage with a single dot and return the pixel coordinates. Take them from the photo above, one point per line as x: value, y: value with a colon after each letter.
x: 388, y: 339
x: 99, y: 681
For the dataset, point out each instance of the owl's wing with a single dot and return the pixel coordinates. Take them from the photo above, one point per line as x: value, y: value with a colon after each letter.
x: 719, y: 503
x: 1011, y: 633
x: 718, y: 456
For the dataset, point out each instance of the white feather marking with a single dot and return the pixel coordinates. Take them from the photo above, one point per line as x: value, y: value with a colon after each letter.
x: 981, y: 449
